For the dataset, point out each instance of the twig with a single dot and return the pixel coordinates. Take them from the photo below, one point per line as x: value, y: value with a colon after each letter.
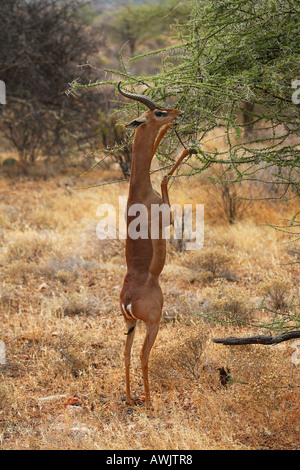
x: 260, y: 339
x: 179, y: 138
x: 166, y: 16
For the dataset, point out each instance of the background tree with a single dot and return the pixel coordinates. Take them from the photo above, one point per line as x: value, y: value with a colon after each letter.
x: 42, y: 44
x: 114, y: 140
x: 136, y: 22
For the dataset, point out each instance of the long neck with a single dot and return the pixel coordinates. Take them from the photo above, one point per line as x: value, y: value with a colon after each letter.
x: 142, y: 154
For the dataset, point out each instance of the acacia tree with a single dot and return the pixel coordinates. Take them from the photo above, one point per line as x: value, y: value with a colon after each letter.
x: 234, y: 56
x: 238, y: 55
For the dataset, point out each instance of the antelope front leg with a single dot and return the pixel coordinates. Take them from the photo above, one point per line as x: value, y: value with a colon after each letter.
x: 161, y: 135
x: 164, y: 183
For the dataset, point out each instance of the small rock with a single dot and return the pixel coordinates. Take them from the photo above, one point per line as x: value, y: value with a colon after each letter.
x: 169, y: 424
x: 50, y: 399
x: 71, y: 401
x: 43, y: 286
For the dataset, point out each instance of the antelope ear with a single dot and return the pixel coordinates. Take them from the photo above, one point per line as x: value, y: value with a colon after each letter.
x: 136, y: 123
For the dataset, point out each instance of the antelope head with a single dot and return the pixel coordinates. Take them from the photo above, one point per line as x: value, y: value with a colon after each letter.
x: 155, y: 116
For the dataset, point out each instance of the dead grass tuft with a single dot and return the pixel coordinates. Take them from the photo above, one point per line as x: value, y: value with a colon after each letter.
x: 28, y: 246
x: 277, y: 292
x: 215, y: 262
x: 228, y: 303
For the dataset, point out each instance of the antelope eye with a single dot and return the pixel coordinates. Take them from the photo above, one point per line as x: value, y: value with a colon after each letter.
x: 161, y: 113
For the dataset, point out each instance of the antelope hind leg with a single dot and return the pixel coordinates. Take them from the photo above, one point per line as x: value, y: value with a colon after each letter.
x: 127, y: 355
x: 151, y: 333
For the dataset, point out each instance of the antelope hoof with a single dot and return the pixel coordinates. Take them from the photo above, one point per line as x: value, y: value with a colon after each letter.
x: 136, y: 401
x: 130, y: 402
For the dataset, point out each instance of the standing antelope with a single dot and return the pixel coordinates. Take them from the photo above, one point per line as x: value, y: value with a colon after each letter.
x: 141, y: 296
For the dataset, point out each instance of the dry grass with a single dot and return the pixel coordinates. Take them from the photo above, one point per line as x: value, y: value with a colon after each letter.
x: 63, y: 383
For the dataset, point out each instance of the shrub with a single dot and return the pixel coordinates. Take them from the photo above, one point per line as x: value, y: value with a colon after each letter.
x: 277, y: 292
x: 212, y: 260
x: 28, y: 246
x: 227, y: 303
x: 75, y: 303
x: 183, y: 360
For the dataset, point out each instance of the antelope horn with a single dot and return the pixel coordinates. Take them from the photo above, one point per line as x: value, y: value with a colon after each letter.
x: 141, y: 98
